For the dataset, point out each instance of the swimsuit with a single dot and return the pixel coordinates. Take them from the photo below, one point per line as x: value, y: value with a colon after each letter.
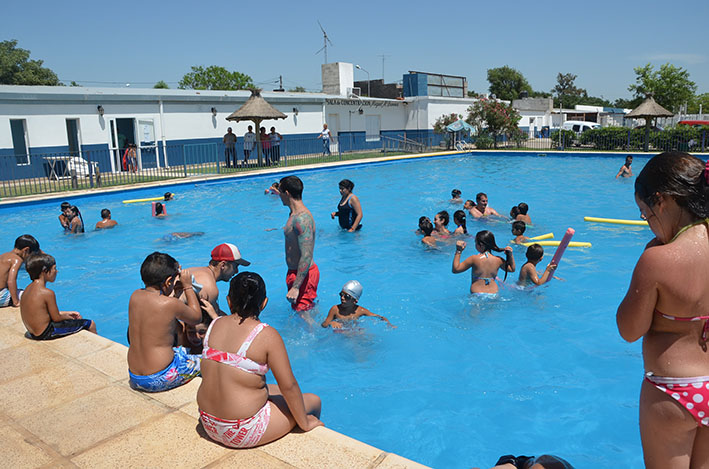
x: 346, y: 215
x: 308, y: 289
x: 6, y: 298
x: 241, y: 433
x: 183, y: 368
x: 692, y: 393
x: 487, y: 279
x: 64, y: 328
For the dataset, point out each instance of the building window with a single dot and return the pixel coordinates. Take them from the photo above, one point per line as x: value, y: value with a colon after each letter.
x: 18, y: 129
x: 373, y: 127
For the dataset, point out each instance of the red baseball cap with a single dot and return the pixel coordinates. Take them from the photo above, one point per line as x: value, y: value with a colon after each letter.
x: 228, y: 252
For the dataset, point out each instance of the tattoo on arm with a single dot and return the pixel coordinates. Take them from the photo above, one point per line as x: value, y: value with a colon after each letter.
x: 304, y: 226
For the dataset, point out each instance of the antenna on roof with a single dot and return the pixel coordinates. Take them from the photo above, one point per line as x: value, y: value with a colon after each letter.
x: 325, y: 41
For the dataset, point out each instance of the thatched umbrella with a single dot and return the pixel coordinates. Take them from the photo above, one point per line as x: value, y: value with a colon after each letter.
x: 256, y: 109
x: 648, y: 110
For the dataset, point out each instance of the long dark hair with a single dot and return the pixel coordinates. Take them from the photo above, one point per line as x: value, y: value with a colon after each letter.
x: 459, y: 218
x: 247, y: 292
x: 487, y: 240
x: 679, y: 175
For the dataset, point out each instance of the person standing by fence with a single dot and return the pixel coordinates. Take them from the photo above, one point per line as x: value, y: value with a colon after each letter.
x: 229, y: 147
x: 275, y: 145
x: 249, y: 142
x: 325, y: 136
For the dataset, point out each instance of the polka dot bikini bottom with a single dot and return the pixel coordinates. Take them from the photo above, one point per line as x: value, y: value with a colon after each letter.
x: 692, y: 393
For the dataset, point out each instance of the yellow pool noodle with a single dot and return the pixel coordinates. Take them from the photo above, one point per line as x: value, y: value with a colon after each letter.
x: 616, y: 221
x: 572, y: 244
x: 149, y: 199
x: 544, y: 236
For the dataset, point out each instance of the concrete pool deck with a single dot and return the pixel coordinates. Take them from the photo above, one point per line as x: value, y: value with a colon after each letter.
x: 66, y: 403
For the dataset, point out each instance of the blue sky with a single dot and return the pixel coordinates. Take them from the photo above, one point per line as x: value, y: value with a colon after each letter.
x: 114, y: 43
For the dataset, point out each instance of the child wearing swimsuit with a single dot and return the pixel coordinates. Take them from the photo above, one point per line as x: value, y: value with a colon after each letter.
x: 235, y: 403
x: 484, y: 265
x: 667, y: 304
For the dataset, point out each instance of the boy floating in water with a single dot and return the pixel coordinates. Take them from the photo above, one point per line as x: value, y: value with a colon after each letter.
x: 106, y: 220
x: 10, y: 264
x: 528, y: 273
x: 39, y: 310
x: 518, y: 229
x: 154, y: 363
x: 348, y: 309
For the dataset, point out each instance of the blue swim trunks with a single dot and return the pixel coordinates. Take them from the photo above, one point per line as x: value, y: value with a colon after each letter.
x: 183, y: 368
x: 64, y: 328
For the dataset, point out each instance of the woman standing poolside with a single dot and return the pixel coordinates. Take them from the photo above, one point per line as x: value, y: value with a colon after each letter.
x: 667, y: 304
x: 484, y: 265
x: 237, y: 408
x: 349, y: 210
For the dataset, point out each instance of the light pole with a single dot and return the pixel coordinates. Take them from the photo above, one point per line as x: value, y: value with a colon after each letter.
x: 360, y: 68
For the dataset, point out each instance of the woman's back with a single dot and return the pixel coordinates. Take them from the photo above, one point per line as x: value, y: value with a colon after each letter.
x: 484, y: 272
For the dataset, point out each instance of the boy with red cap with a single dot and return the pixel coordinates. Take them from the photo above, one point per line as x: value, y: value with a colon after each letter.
x: 224, y: 264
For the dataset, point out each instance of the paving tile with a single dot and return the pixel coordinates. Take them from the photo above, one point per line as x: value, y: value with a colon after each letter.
x: 322, y: 448
x: 17, y: 326
x: 29, y: 394
x: 249, y: 458
x: 191, y: 409
x: 394, y: 461
x: 28, y: 358
x: 79, y: 344
x: 11, y: 338
x: 18, y: 451
x: 166, y: 442
x: 180, y: 396
x: 112, y: 361
x: 91, y: 418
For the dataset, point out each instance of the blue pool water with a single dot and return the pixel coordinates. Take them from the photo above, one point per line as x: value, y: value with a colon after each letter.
x: 459, y: 382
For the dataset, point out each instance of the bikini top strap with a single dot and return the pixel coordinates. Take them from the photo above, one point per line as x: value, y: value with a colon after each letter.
x: 252, y: 335
x: 209, y: 331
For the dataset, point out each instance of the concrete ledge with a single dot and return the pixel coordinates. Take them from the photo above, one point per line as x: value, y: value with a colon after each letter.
x: 67, y: 403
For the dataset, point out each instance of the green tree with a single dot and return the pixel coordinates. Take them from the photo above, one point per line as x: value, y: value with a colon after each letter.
x: 566, y: 92
x: 214, y: 78
x: 670, y: 85
x: 489, y: 116
x: 507, y: 83
x: 16, y: 68
x: 702, y: 99
x: 439, y: 127
x: 297, y: 89
x: 161, y: 85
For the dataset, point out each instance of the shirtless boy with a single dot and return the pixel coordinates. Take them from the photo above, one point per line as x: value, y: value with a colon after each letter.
x: 303, y: 275
x: 528, y: 273
x: 426, y: 227
x: 10, y: 264
x: 522, y: 215
x: 154, y: 364
x: 224, y: 264
x: 348, y: 309
x: 518, y: 229
x: 39, y: 310
x: 481, y: 208
x: 106, y: 220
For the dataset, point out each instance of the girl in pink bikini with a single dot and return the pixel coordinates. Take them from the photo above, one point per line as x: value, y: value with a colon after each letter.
x: 236, y: 406
x: 667, y: 304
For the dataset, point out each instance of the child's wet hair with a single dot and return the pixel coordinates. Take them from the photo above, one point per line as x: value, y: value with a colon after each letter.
x: 65, y: 205
x: 523, y: 208
x: 514, y: 211
x: 679, y: 175
x: 459, y: 219
x: 426, y: 226
x: 159, y: 209
x: 27, y: 241
x: 346, y: 184
x: 487, y: 240
x: 247, y: 292
x: 37, y: 263
x: 455, y: 193
x: 535, y: 252
x: 472, y: 203
x: 445, y: 218
x: 422, y: 219
x: 105, y: 213
x: 519, y: 227
x: 157, y: 268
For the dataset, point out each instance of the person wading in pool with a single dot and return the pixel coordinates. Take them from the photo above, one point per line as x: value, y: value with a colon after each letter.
x: 303, y: 275
x: 484, y: 265
x: 481, y: 208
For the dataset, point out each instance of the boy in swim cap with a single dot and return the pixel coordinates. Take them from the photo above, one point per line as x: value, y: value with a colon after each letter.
x: 528, y: 273
x: 348, y: 309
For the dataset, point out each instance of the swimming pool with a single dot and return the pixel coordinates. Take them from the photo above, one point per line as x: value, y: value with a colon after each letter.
x: 459, y: 382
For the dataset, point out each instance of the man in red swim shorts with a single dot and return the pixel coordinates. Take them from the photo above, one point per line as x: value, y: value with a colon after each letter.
x: 303, y: 275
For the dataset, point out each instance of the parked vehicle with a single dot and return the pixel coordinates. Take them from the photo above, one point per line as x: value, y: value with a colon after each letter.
x: 693, y: 123
x: 579, y: 126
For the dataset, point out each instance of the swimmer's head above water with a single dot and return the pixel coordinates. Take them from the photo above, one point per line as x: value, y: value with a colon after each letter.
x: 353, y: 289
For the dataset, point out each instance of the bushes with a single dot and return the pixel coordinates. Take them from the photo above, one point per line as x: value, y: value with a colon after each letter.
x: 620, y: 138
x: 484, y: 141
x: 563, y: 138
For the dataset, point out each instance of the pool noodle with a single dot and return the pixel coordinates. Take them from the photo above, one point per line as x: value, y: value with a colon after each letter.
x: 544, y: 236
x: 560, y: 251
x: 572, y: 244
x: 616, y: 221
x: 149, y: 199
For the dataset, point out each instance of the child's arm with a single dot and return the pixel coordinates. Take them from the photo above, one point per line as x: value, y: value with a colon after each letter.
x: 191, y: 312
x: 459, y: 266
x: 547, y: 272
x: 511, y: 266
x: 12, y: 281
x: 365, y: 312
x: 329, y: 320
x: 54, y: 314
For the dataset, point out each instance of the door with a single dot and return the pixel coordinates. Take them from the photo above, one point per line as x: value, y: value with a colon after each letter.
x: 122, y: 134
x: 147, y: 146
x: 333, y: 123
x: 73, y: 137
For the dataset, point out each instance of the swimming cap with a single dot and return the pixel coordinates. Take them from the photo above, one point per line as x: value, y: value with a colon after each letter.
x: 353, y: 288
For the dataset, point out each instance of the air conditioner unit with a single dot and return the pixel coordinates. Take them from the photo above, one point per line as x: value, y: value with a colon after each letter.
x: 355, y: 92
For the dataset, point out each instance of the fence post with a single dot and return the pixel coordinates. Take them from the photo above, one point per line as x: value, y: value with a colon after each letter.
x: 91, y: 170
x: 216, y: 156
x: 184, y: 160
x: 562, y: 139
x: 704, y: 135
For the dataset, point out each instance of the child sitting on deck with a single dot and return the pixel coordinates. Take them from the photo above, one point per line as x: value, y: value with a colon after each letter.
x: 10, y: 264
x: 154, y: 362
x: 528, y: 273
x: 518, y: 229
x: 39, y: 310
x: 348, y: 309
